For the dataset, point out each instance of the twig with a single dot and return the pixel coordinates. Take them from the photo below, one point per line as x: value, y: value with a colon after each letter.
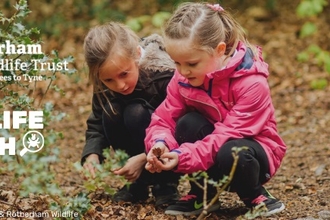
x: 6, y: 203
x: 219, y: 191
x: 48, y: 87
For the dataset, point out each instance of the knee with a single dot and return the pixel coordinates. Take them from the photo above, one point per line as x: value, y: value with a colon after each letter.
x: 192, y: 127
x: 187, y: 120
x: 227, y: 152
x: 225, y: 156
x: 136, y: 115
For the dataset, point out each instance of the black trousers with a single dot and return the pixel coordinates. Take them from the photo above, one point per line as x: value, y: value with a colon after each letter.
x: 252, y: 169
x: 125, y: 130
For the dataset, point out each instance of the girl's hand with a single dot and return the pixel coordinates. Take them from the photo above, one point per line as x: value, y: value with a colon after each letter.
x: 89, y: 165
x: 133, y: 167
x: 167, y: 161
x: 159, y: 158
x: 171, y: 160
x: 161, y: 148
x: 153, y: 156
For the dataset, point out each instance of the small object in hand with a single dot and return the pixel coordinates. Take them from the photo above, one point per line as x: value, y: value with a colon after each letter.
x: 157, y: 152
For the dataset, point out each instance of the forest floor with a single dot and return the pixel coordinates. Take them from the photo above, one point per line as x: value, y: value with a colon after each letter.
x: 303, y: 116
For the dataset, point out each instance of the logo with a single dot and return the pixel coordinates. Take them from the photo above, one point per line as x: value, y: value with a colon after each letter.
x: 198, y: 205
x: 34, y: 140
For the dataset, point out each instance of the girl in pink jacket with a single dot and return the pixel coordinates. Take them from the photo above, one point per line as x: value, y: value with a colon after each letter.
x: 218, y: 99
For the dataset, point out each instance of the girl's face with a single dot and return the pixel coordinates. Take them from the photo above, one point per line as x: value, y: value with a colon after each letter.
x: 119, y: 74
x: 194, y: 64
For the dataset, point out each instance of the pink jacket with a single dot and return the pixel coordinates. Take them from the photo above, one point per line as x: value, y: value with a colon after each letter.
x: 236, y: 99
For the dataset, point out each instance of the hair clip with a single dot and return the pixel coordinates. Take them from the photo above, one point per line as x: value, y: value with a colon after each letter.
x: 215, y: 7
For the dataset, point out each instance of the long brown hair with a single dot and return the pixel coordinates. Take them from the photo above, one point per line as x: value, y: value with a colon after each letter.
x: 103, y: 42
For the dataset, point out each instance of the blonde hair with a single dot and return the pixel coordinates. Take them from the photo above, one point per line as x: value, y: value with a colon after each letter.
x: 205, y: 27
x: 102, y: 42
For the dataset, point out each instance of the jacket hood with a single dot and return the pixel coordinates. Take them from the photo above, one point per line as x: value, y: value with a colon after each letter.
x: 155, y: 57
x: 243, y: 63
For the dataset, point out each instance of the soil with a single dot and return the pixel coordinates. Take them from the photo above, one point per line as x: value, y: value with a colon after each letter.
x: 303, y: 117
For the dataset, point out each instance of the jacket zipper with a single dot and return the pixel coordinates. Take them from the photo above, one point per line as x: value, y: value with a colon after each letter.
x: 194, y: 100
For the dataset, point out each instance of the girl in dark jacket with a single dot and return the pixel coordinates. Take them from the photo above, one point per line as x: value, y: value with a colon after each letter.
x: 130, y: 80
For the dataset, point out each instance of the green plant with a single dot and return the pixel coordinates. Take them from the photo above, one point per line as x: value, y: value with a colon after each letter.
x: 22, y: 71
x: 34, y: 172
x: 221, y: 186
x: 157, y: 20
x: 113, y: 160
x: 82, y: 13
x: 309, y: 9
x: 321, y: 58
